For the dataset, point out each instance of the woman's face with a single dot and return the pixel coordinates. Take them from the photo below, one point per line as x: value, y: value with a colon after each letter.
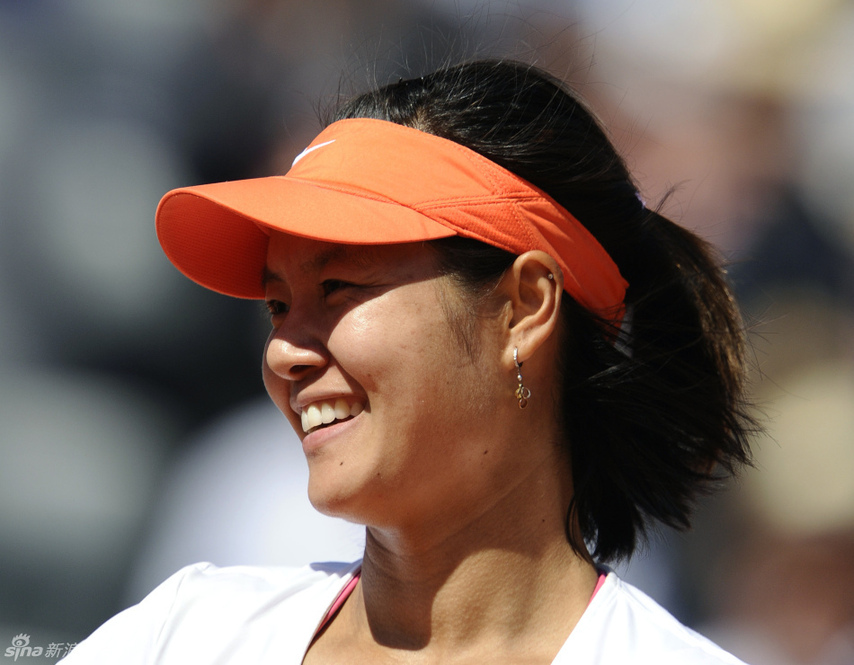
x: 396, y: 418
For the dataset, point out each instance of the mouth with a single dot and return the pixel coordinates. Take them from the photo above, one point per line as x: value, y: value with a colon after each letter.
x: 324, y: 413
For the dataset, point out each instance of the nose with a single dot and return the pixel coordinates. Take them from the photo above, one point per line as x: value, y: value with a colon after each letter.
x: 290, y: 359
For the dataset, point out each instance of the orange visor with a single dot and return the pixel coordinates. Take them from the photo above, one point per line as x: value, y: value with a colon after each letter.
x: 371, y: 182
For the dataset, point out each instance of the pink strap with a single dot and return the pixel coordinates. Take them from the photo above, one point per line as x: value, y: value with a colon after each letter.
x: 599, y: 583
x: 339, y: 601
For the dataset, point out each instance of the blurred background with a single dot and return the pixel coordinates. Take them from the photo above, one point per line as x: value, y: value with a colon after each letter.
x: 134, y: 433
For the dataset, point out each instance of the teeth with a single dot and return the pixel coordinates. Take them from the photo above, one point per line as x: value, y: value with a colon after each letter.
x: 313, y: 416
x: 323, y: 413
x: 342, y: 409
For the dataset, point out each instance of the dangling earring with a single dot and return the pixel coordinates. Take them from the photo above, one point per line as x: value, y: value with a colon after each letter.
x: 522, y: 393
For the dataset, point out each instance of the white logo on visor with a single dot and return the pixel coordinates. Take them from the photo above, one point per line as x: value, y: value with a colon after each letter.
x: 310, y: 149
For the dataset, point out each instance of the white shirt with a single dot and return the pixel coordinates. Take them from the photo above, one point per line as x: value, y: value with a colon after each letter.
x: 206, y: 615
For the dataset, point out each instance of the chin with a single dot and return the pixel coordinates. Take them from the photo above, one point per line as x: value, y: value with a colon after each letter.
x: 333, y: 502
x: 351, y: 508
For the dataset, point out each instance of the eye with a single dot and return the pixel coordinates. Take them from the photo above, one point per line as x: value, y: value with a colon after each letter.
x: 330, y: 286
x: 277, y: 307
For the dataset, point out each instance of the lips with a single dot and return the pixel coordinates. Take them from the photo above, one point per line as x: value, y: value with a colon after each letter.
x: 325, y: 412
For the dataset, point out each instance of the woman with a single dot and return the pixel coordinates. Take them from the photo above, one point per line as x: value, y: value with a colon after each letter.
x: 497, y: 359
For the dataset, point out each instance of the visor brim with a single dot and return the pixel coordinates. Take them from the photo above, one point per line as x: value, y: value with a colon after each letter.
x: 217, y: 234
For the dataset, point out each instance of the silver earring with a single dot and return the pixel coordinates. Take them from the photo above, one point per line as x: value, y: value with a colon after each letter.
x: 523, y: 394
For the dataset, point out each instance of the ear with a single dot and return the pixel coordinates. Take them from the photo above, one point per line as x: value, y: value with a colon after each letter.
x: 533, y: 287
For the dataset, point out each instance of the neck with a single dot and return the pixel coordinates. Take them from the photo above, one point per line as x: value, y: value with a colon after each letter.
x: 506, y: 578
x: 419, y: 601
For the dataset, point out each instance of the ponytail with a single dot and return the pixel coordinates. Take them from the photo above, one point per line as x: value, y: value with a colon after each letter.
x: 661, y: 417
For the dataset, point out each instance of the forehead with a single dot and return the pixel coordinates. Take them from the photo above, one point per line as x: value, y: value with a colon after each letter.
x: 287, y: 253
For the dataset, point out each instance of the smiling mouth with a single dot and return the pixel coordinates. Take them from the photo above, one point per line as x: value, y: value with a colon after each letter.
x: 321, y: 414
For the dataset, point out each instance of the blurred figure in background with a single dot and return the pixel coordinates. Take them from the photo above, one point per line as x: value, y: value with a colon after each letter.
x: 236, y: 494
x: 783, y: 593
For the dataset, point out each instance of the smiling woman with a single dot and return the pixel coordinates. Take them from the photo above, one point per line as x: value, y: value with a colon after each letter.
x: 367, y: 328
x: 497, y: 359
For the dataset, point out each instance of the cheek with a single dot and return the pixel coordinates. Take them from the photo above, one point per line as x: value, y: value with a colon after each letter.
x: 420, y: 370
x: 376, y: 344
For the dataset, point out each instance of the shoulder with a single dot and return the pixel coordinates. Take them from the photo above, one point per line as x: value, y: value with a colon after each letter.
x: 249, y: 584
x: 206, y: 593
x: 623, y: 624
x: 203, y: 612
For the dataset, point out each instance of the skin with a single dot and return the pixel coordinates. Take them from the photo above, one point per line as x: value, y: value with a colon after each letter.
x: 463, y: 494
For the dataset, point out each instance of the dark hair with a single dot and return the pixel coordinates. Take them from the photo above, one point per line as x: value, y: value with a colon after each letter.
x: 657, y: 418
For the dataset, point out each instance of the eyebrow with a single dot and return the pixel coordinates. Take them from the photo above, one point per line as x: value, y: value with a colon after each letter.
x: 361, y: 256
x: 319, y: 261
x: 268, y: 276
